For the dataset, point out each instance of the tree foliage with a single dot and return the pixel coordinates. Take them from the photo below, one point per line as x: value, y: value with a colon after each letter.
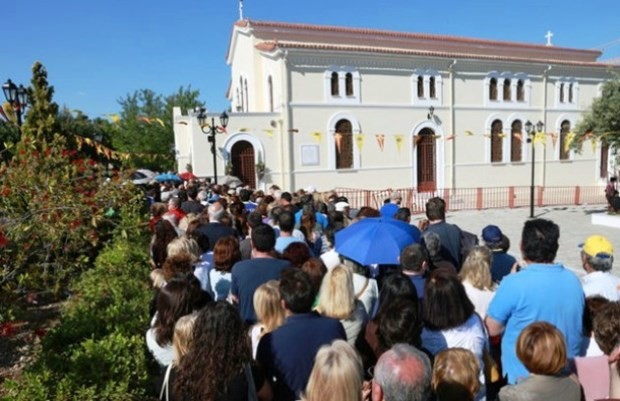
x: 602, y: 121
x: 55, y: 205
x: 145, y: 128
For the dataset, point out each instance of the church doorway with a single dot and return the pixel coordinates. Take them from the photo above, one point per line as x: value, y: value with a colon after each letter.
x: 426, y: 160
x: 243, y: 164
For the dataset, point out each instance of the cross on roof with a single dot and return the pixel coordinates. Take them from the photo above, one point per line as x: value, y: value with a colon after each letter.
x: 549, y: 35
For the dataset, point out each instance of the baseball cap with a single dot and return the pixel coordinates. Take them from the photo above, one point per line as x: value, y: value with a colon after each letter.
x: 598, y: 246
x: 340, y: 206
x: 491, y: 234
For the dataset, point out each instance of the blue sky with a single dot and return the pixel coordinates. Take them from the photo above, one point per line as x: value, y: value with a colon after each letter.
x: 98, y: 51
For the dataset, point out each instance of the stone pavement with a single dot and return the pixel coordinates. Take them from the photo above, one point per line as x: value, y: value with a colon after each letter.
x: 574, y: 221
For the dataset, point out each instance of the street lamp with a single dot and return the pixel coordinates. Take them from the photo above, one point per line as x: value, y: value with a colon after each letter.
x: 17, y: 96
x: 212, y: 130
x: 529, y: 128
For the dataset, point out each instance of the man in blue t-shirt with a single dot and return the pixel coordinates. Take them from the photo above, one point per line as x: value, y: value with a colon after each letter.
x: 287, y: 354
x: 542, y: 291
x: 248, y: 275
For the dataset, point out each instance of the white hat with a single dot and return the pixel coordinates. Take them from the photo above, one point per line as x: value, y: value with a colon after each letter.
x: 331, y: 259
x: 340, y: 206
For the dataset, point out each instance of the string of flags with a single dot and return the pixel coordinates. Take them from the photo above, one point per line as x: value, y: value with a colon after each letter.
x: 115, y: 118
x: 113, y: 154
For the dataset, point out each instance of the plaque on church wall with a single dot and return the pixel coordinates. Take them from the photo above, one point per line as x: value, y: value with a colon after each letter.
x: 309, y: 155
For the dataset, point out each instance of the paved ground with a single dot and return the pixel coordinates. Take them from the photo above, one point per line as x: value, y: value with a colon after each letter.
x: 574, y: 221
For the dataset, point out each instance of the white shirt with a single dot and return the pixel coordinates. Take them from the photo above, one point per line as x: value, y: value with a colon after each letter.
x: 164, y: 355
x: 480, y: 298
x: 601, y: 283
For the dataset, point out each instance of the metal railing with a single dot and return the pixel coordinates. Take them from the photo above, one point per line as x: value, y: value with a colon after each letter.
x: 479, y: 198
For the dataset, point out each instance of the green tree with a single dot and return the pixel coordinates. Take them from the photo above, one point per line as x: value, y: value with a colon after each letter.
x: 41, y: 118
x: 602, y: 121
x: 145, y: 129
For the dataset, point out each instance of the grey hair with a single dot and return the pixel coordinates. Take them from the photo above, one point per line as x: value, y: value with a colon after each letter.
x: 432, y: 243
x: 216, y: 211
x: 601, y: 264
x: 399, y: 377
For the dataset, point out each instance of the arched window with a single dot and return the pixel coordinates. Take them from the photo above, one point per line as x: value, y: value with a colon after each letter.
x: 570, y: 93
x: 493, y: 89
x: 432, y: 90
x: 516, y: 139
x: 334, y: 84
x: 564, y: 130
x: 520, y: 91
x: 507, y: 90
x: 562, y: 93
x: 420, y: 86
x: 348, y: 80
x: 270, y: 89
x: 497, y: 148
x: 343, y: 136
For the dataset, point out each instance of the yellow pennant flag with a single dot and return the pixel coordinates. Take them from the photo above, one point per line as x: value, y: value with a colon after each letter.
x: 269, y: 132
x: 469, y: 133
x: 501, y: 135
x: 380, y: 140
x: 159, y: 121
x: 317, y: 135
x: 399, y: 141
x: 570, y: 137
x: 359, y: 139
x: 243, y: 129
x: 593, y: 141
x: 540, y: 138
x: 115, y: 118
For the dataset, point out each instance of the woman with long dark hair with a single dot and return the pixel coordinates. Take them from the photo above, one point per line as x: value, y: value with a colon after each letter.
x: 218, y: 365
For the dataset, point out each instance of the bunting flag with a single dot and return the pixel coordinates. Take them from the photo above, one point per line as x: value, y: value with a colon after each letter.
x: 399, y: 141
x: 293, y: 130
x: 469, y: 133
x: 450, y: 137
x: 182, y: 122
x: 359, y: 139
x: 144, y: 119
x: 539, y: 137
x: 570, y: 137
x: 593, y: 141
x: 160, y: 122
x: 380, y: 140
x: 554, y: 138
x: 269, y: 132
x: 338, y: 138
x: 317, y: 136
x: 243, y: 129
x: 416, y: 140
x: 518, y: 135
x: 501, y: 135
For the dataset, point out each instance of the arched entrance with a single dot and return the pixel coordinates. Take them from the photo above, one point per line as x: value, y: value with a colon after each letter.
x: 242, y: 159
x: 426, y: 160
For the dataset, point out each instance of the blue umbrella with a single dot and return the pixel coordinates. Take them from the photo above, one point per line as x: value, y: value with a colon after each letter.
x: 168, y: 177
x: 376, y: 240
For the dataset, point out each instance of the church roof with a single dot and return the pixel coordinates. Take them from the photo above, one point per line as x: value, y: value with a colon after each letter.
x: 271, y: 36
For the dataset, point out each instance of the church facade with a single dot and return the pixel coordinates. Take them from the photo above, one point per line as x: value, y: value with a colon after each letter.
x: 336, y: 107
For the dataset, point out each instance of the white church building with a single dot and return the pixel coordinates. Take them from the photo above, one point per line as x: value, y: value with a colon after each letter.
x: 335, y: 107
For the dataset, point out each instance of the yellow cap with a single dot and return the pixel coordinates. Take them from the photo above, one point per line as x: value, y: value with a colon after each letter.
x: 597, y: 245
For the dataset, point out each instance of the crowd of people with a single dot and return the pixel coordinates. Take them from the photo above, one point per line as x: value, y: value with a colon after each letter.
x: 252, y: 301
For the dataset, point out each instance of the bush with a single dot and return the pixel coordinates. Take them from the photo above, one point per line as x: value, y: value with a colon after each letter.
x: 98, y: 350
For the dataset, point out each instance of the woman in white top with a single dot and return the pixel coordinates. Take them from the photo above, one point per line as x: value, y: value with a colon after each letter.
x: 337, y: 300
x: 269, y: 312
x: 450, y: 320
x: 476, y: 277
x: 225, y: 254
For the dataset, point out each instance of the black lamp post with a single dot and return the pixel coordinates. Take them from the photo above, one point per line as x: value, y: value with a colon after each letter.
x: 529, y: 128
x: 17, y: 96
x: 212, y: 130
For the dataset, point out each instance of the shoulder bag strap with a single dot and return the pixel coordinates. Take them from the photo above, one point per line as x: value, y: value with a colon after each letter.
x: 164, y: 385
